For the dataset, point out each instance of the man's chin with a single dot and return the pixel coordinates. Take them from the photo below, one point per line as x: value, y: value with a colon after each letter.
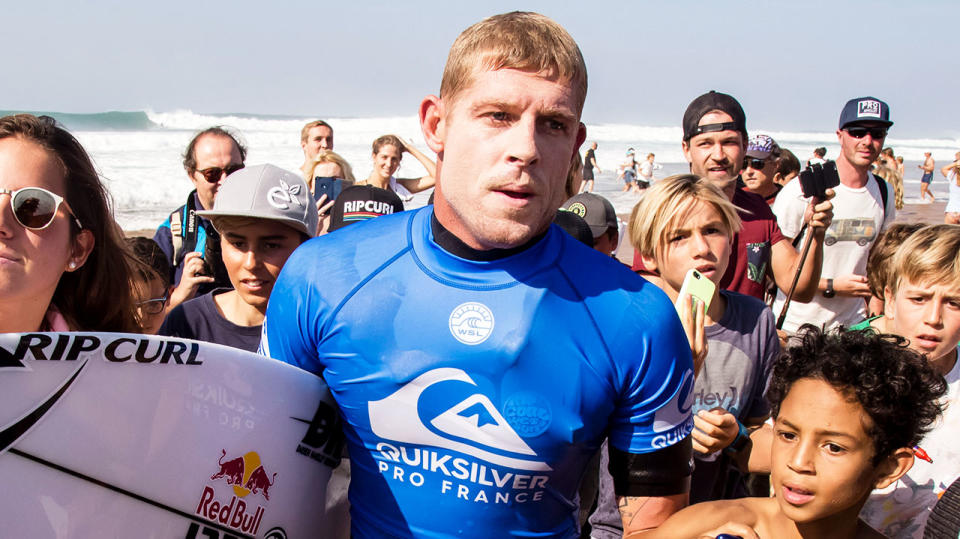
x: 505, y: 233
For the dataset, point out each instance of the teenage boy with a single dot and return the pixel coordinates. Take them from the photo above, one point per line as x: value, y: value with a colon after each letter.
x: 923, y: 306
x: 848, y: 410
x: 262, y: 214
x: 480, y: 355
x: 682, y: 223
x: 861, y: 211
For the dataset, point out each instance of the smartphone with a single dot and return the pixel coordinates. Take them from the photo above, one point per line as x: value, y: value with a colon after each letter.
x: 329, y: 186
x: 699, y: 288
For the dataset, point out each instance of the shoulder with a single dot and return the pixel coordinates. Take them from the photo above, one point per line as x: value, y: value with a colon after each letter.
x: 752, y: 206
x: 330, y: 266
x: 704, y: 517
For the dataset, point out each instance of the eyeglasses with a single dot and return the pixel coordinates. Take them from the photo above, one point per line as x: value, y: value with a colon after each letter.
x: 213, y: 174
x: 876, y: 133
x: 35, y: 207
x: 153, y: 306
x: 755, y: 164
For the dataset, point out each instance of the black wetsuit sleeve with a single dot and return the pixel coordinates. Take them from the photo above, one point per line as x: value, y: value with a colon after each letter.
x: 664, y: 472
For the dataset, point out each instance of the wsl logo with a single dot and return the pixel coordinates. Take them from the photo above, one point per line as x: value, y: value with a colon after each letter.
x: 471, y: 323
x: 442, y: 408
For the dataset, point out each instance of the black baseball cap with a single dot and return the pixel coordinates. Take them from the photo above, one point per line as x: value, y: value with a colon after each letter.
x: 709, y: 102
x: 361, y: 202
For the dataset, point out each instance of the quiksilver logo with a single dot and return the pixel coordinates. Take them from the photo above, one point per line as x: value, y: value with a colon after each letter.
x: 471, y: 425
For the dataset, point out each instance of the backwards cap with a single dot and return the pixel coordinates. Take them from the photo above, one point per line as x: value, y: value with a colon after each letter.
x: 709, y: 102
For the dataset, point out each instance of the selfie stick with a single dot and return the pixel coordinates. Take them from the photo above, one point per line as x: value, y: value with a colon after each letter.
x: 793, y: 286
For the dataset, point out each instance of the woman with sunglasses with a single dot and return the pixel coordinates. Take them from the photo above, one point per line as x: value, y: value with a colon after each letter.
x: 63, y: 263
x: 387, y: 153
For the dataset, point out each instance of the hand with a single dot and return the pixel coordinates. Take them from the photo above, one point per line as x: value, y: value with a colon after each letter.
x: 693, y: 326
x: 194, y: 274
x: 851, y: 285
x: 819, y: 215
x: 714, y: 430
x: 406, y: 144
x: 323, y: 214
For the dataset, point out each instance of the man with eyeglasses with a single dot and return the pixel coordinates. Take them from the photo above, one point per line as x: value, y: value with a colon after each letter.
x: 861, y: 212
x: 714, y: 143
x: 190, y: 242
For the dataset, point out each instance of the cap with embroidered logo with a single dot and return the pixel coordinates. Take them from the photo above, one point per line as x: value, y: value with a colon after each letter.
x: 597, y: 211
x: 865, y: 109
x: 267, y: 192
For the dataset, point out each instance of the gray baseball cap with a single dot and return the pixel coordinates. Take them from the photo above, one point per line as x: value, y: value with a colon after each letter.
x: 597, y: 211
x: 267, y: 192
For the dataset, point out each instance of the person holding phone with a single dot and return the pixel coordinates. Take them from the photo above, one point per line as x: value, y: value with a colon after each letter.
x: 685, y: 225
x: 327, y: 175
x: 388, y: 151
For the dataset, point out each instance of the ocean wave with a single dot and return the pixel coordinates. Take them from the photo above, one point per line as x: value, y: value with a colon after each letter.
x: 99, y: 121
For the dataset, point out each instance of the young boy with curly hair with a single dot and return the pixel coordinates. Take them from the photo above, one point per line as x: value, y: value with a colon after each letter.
x: 849, y: 407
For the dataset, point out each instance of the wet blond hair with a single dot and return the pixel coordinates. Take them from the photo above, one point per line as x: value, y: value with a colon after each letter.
x: 667, y: 202
x: 930, y: 255
x: 519, y: 40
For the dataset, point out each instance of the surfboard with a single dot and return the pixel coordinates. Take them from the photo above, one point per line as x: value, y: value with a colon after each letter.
x: 122, y: 435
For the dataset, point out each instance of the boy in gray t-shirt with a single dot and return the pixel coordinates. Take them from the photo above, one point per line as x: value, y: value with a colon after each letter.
x: 684, y: 223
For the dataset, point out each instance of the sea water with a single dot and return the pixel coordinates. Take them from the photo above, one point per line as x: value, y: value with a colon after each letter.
x: 139, y: 154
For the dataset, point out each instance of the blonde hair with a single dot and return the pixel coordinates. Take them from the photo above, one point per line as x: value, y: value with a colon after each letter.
x: 879, y: 269
x: 929, y: 255
x: 667, y: 202
x: 329, y: 156
x: 519, y: 40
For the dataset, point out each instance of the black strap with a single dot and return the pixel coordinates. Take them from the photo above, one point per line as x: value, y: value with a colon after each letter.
x: 189, y: 222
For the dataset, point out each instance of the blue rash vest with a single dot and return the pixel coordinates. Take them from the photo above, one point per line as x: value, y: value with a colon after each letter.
x: 473, y: 394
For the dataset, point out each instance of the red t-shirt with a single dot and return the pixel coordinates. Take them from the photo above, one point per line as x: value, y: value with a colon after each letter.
x: 750, y: 260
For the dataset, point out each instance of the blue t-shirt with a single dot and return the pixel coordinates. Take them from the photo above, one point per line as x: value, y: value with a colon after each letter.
x: 474, y: 393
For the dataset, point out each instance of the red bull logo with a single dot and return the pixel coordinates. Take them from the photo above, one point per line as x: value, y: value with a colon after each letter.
x: 246, y: 475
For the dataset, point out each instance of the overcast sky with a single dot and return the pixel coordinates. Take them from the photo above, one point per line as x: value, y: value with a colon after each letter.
x: 791, y: 64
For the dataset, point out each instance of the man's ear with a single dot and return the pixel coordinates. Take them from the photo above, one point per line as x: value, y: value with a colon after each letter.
x: 433, y: 123
x: 894, y: 467
x: 581, y: 136
x: 685, y: 146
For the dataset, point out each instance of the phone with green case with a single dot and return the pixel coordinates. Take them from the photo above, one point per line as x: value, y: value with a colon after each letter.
x: 699, y: 287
